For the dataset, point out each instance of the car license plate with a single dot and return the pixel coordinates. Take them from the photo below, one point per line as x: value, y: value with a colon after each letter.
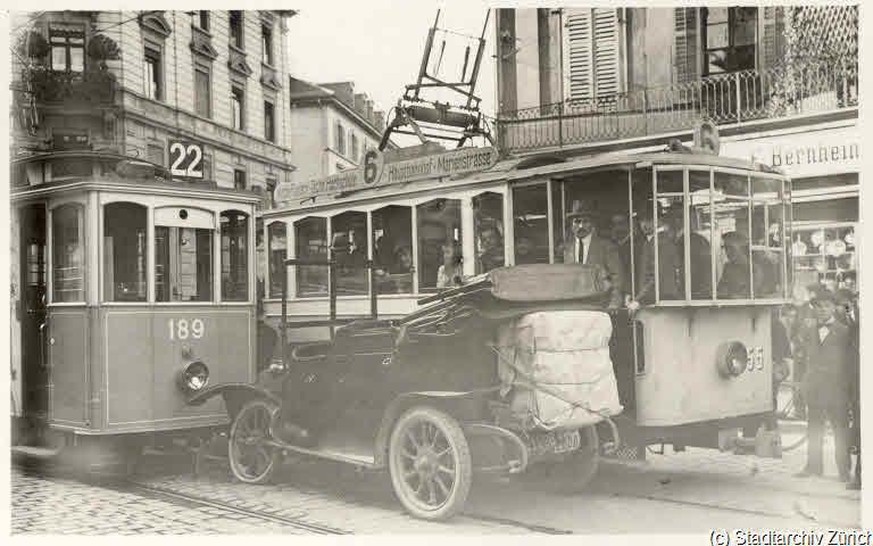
x: 556, y: 442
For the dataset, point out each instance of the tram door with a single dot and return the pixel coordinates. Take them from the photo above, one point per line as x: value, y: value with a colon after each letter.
x: 34, y: 373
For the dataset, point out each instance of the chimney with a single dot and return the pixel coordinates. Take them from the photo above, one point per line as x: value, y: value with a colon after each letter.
x: 369, y: 112
x: 379, y: 120
x: 360, y: 103
x: 345, y: 92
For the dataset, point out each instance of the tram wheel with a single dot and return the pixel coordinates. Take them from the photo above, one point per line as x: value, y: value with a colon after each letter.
x: 575, y: 471
x: 252, y: 459
x: 430, y: 464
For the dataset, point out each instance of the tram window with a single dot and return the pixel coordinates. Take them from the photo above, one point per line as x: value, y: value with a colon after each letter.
x: 767, y: 242
x: 439, y: 244
x: 349, y: 248
x: 731, y: 233
x: 700, y: 238
x: 234, y: 256
x: 488, y: 226
x: 183, y: 264
x: 530, y: 216
x: 276, y: 254
x: 124, y: 252
x: 68, y: 256
x: 392, y: 249
x: 670, y: 227
x: 260, y: 258
x: 310, y: 240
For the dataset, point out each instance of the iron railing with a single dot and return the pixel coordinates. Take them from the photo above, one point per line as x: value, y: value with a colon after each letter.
x: 724, y: 99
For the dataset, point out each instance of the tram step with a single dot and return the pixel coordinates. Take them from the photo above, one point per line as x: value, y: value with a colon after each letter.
x: 35, y: 452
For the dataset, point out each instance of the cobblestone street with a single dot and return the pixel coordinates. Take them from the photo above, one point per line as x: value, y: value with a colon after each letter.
x: 693, y: 491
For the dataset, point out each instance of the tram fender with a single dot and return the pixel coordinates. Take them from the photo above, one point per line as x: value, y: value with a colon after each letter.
x: 467, y: 406
x: 235, y: 396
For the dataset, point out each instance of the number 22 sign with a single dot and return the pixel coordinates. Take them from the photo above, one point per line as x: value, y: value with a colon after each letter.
x: 186, y: 159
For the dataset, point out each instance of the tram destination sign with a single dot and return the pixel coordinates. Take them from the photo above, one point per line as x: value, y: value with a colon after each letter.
x: 388, y: 168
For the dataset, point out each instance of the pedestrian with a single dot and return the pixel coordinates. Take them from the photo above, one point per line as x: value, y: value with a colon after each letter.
x: 847, y: 313
x: 586, y: 247
x: 826, y: 386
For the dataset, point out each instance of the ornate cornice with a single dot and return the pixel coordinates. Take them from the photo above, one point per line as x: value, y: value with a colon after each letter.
x: 270, y: 77
x: 237, y: 62
x: 201, y: 43
x: 155, y: 22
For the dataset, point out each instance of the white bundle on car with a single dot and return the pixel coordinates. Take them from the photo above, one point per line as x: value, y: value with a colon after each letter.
x: 558, y: 367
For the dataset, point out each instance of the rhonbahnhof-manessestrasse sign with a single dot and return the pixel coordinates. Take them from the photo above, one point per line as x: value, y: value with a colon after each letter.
x: 381, y: 169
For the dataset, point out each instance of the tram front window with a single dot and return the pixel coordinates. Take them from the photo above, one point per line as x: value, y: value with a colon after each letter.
x: 392, y: 250
x: 349, y: 248
x: 310, y: 240
x: 234, y: 256
x: 439, y: 244
x: 530, y: 211
x: 488, y: 225
x: 68, y: 258
x: 125, y: 252
x: 183, y: 266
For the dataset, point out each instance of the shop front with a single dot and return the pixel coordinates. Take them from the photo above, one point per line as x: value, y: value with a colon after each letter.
x: 824, y: 162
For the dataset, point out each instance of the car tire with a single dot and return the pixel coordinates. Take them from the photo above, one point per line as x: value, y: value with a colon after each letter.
x: 252, y: 459
x: 430, y: 464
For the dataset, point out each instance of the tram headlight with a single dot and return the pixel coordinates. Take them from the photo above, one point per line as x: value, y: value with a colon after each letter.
x: 732, y: 360
x: 194, y: 376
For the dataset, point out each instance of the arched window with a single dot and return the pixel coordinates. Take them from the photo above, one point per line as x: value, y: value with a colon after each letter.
x: 68, y: 256
x: 489, y: 231
x: 125, y: 252
x: 439, y: 244
x: 234, y: 256
x: 183, y: 254
x: 392, y: 249
x: 349, y: 247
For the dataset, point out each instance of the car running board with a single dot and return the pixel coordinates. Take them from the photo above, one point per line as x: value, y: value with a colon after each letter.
x: 349, y: 458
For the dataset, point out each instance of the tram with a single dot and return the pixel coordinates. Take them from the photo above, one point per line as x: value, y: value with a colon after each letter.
x: 457, y: 320
x: 131, y: 291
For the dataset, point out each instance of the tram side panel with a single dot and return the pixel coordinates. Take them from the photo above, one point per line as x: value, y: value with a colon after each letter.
x: 69, y: 377
x: 143, y: 352
x: 680, y: 382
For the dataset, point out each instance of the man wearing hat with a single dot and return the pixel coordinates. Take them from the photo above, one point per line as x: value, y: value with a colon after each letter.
x: 585, y: 247
x: 826, y: 384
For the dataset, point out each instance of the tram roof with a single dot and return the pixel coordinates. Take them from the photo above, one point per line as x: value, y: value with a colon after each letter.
x: 114, y: 181
x: 519, y: 169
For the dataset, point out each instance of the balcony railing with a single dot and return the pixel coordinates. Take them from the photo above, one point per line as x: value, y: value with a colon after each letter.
x: 50, y: 87
x: 725, y: 99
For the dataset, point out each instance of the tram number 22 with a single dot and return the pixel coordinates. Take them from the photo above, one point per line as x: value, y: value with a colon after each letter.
x: 184, y: 329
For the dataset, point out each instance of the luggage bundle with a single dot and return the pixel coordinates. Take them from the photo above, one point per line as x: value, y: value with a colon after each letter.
x: 555, y: 366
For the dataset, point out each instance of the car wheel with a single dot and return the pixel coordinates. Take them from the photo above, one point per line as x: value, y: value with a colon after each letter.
x: 252, y: 459
x: 572, y: 473
x: 430, y: 464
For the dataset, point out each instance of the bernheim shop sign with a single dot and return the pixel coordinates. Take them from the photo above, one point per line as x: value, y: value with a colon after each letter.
x: 388, y: 168
x: 800, y: 155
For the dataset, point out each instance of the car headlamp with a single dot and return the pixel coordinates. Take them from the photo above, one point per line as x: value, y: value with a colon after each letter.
x: 733, y: 359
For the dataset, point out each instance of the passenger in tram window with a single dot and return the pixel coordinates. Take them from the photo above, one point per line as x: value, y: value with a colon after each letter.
x: 734, y: 281
x: 490, y: 249
x: 701, y: 265
x: 588, y: 248
x: 402, y: 262
x: 668, y: 264
x: 450, y: 273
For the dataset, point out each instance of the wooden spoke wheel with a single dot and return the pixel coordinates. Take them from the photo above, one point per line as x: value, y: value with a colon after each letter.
x: 430, y: 464
x: 252, y: 459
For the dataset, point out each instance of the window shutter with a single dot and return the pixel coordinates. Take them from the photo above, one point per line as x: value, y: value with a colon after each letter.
x: 591, y: 46
x: 685, y: 63
x: 578, y: 58
x: 606, y: 70
x: 774, y: 41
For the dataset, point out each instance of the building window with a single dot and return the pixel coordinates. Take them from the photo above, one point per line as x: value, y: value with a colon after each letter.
x: 239, y: 179
x: 353, y: 144
x: 236, y: 29
x: 68, y: 47
x: 237, y: 108
x: 271, y: 190
x: 729, y: 37
x: 202, y: 19
x: 267, y: 44
x: 153, y: 73
x: 202, y: 91
x: 340, y: 138
x: 269, y: 122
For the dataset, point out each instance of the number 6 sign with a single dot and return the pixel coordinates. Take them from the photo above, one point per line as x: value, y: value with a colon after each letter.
x: 186, y: 159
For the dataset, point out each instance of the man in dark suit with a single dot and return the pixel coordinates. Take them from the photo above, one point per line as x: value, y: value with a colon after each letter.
x: 847, y: 313
x: 826, y: 385
x: 585, y: 247
x: 668, y: 263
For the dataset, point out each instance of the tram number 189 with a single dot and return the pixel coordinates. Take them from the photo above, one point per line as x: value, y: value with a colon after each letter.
x: 183, y: 329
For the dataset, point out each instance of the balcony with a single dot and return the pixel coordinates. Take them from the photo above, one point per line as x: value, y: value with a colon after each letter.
x: 92, y: 87
x: 725, y: 99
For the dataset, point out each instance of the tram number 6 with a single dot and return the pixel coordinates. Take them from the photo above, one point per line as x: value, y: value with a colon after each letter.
x: 182, y: 329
